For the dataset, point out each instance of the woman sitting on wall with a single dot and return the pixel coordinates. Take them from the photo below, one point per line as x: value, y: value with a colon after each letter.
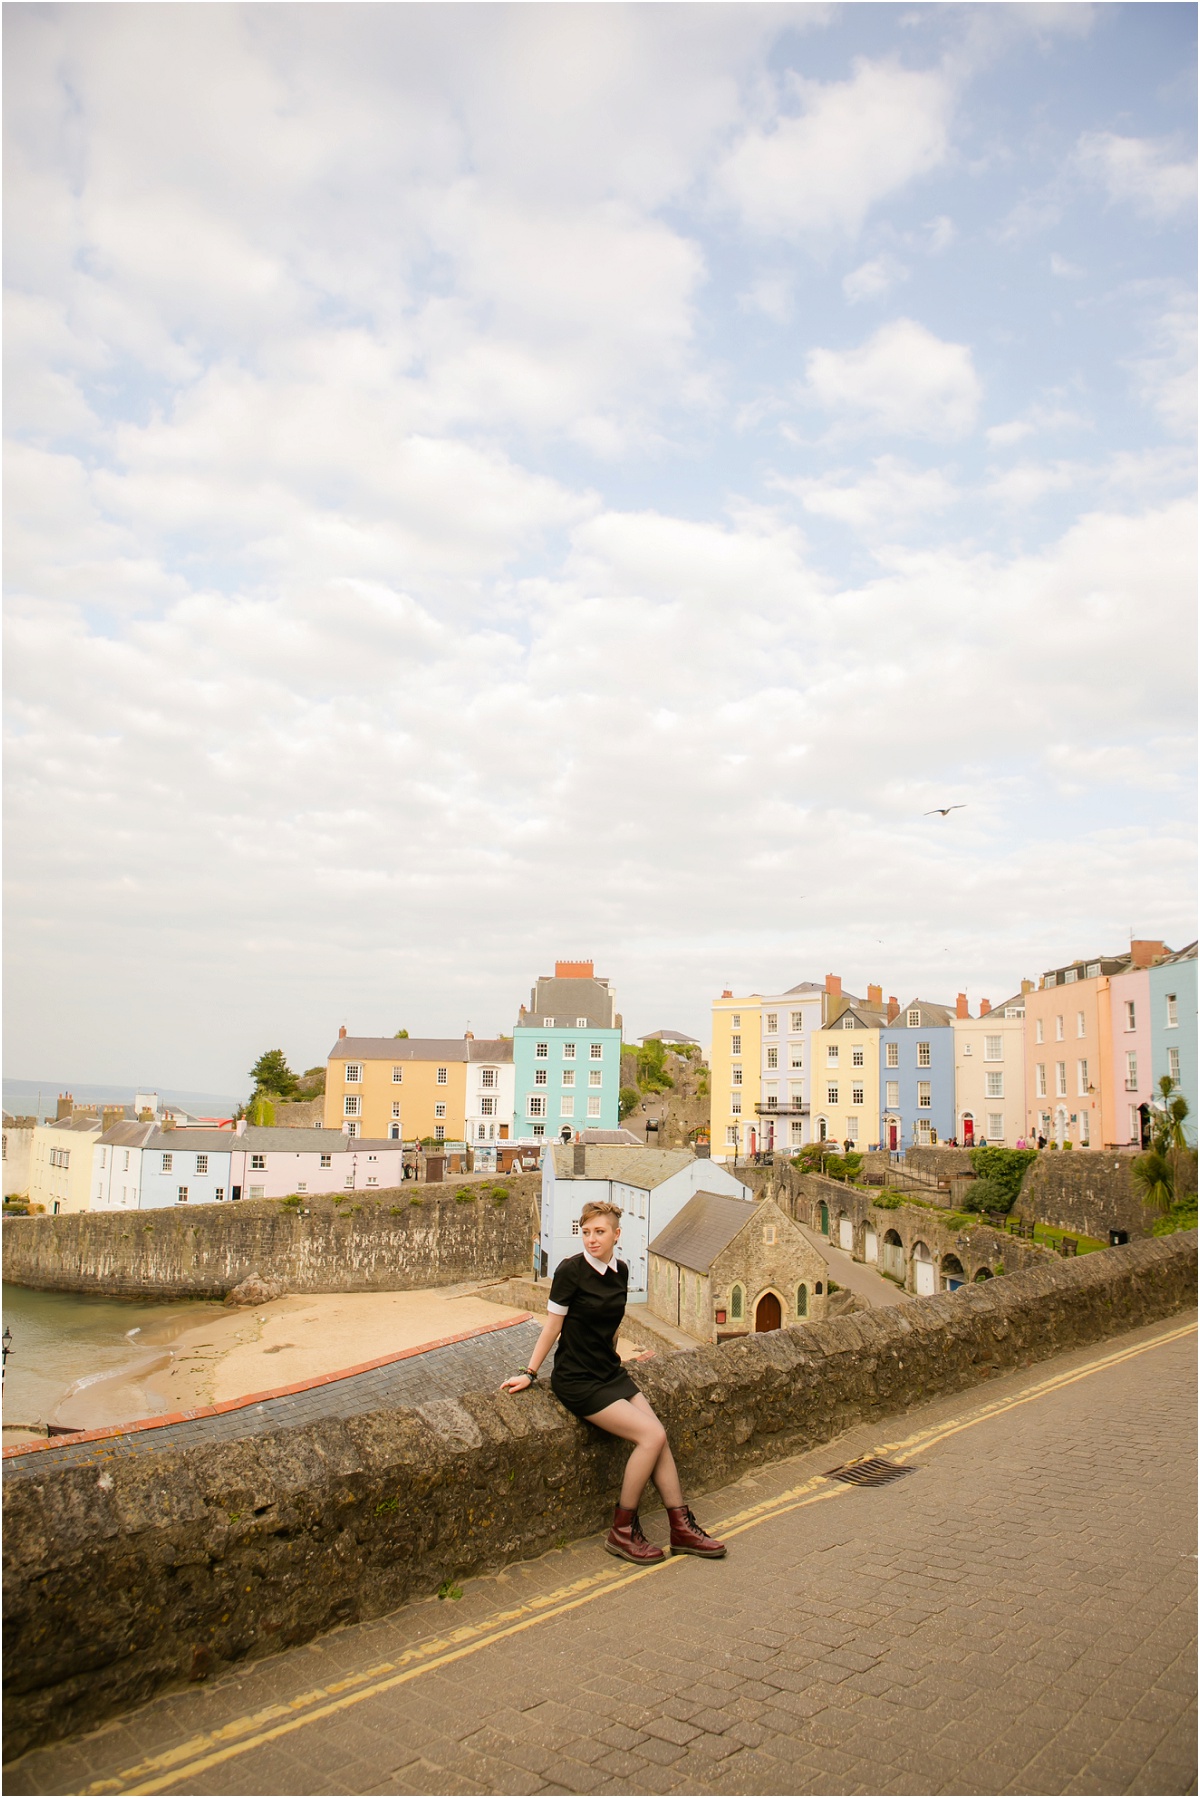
x: 587, y: 1305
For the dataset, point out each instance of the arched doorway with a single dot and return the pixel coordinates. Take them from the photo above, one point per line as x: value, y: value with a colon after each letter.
x: 870, y: 1244
x: 846, y: 1234
x: 824, y: 1216
x: 953, y: 1275
x: 822, y: 1130
x: 984, y: 1273
x: 893, y: 1133
x: 768, y: 1314
x: 924, y: 1272
x: 893, y: 1255
x: 968, y: 1129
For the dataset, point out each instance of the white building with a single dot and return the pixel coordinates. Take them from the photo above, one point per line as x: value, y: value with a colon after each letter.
x: 18, y: 1152
x: 142, y: 1167
x: 490, y: 1096
x: 650, y: 1185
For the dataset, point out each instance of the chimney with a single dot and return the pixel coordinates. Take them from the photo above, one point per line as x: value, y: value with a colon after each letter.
x: 113, y: 1114
x: 579, y: 1160
x: 1145, y: 952
x: 893, y: 1008
x: 468, y: 1036
x: 985, y: 1005
x: 833, y: 985
x: 1026, y: 987
x: 66, y: 1106
x: 574, y: 970
x: 962, y: 1009
x: 728, y: 993
x: 341, y: 1032
x: 875, y: 997
x: 168, y: 1123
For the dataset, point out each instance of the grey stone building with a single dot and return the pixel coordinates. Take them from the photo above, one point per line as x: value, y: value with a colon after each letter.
x: 722, y: 1268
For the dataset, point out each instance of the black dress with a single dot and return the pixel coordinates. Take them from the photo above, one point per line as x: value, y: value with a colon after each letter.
x: 587, y: 1374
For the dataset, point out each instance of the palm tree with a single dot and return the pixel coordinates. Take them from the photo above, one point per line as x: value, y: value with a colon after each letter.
x: 1154, y: 1171
x: 1169, y: 1133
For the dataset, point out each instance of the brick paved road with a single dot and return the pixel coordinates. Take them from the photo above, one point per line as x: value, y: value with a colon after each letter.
x: 1016, y: 1616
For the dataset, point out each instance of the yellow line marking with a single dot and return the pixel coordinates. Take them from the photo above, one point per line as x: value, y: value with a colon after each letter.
x: 258, y: 1728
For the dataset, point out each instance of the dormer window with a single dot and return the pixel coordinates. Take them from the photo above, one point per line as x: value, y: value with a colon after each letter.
x: 581, y: 1023
x: 547, y: 1023
x: 914, y: 1019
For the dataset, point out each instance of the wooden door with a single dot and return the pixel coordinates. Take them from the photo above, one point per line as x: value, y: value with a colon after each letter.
x: 767, y: 1314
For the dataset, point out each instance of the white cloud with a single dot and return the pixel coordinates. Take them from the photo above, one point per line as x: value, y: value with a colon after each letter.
x: 1138, y: 171
x: 903, y: 381
x: 891, y: 494
x: 872, y: 280
x: 1066, y: 271
x: 1165, y: 378
x: 1028, y: 482
x: 854, y: 143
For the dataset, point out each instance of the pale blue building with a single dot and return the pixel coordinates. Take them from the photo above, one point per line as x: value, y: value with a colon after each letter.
x: 567, y: 1056
x: 1173, y: 1026
x: 916, y: 1076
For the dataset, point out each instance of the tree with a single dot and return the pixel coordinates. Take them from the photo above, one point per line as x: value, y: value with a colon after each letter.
x: 1154, y: 1175
x: 1155, y: 1172
x: 628, y: 1100
x: 400, y: 1033
x: 1003, y: 1170
x: 261, y: 1110
x: 652, y: 1075
x: 271, y: 1074
x: 1167, y: 1119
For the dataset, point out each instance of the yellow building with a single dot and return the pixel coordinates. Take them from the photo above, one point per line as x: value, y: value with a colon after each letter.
x: 845, y: 1076
x: 735, y: 1071
x: 403, y: 1087
x: 60, y: 1164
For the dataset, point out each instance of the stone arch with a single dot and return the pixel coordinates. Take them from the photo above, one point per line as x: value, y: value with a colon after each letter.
x: 823, y: 1218
x: 924, y: 1270
x: 768, y: 1311
x: 953, y: 1273
x: 822, y: 1129
x: 737, y: 1303
x: 894, y: 1259
x: 982, y: 1273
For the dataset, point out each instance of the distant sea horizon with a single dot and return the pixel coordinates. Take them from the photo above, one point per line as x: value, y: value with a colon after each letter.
x: 20, y: 1097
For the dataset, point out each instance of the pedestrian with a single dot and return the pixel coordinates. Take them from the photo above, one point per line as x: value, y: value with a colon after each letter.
x: 587, y: 1304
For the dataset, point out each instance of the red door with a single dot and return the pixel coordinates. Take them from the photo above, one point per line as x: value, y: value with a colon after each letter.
x: 968, y: 1131
x: 893, y: 1139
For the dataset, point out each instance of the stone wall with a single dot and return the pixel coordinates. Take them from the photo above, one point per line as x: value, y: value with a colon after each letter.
x: 938, y: 1163
x: 1089, y: 1190
x: 531, y: 1295
x: 129, y: 1575
x: 389, y: 1241
x: 982, y: 1251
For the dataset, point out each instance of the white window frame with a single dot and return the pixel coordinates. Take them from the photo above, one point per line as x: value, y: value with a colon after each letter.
x: 354, y: 1073
x: 541, y: 1076
x: 831, y: 1095
x: 568, y: 1076
x: 352, y: 1103
x: 1173, y: 1064
x: 595, y: 1077
x: 1060, y: 1079
x: 594, y: 1107
x: 913, y: 1020
x: 397, y: 1076
x: 488, y: 1077
x: 1041, y: 1080
x: 202, y: 1164
x: 772, y: 1057
x: 892, y: 1056
x: 924, y: 1055
x: 596, y: 1052
x: 541, y: 1051
x: 994, y: 1083
x: 772, y: 1023
x: 1172, y: 1011
x: 993, y: 1048
x: 536, y: 1105
x: 568, y: 1051
x: 858, y: 1095
x: 797, y: 1021
x: 443, y: 1077
x: 439, y: 1110
x: 924, y: 1094
x: 258, y: 1164
x: 168, y: 1162
x: 995, y: 1126
x: 735, y: 1045
x: 566, y: 1106
x: 581, y: 1023
x: 1081, y: 1077
x: 327, y: 1161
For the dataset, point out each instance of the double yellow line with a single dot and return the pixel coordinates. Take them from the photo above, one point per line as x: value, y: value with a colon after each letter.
x: 258, y: 1728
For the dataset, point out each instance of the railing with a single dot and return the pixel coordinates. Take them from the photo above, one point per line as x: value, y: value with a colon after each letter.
x: 1131, y: 1086
x: 781, y: 1111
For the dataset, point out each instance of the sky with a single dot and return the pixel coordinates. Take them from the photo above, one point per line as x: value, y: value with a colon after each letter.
x: 494, y: 483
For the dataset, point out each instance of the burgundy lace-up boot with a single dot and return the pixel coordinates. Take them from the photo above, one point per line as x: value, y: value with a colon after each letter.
x: 625, y: 1539
x: 687, y: 1538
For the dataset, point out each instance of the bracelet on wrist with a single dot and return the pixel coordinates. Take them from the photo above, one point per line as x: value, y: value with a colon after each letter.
x: 529, y: 1374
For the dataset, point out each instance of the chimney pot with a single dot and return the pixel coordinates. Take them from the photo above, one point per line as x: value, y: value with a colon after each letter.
x: 341, y: 1032
x: 985, y: 1005
x: 1027, y: 986
x: 728, y: 993
x: 1145, y: 951
x: 875, y: 995
x: 833, y: 985
x: 962, y: 1009
x: 893, y: 1007
x: 579, y: 1160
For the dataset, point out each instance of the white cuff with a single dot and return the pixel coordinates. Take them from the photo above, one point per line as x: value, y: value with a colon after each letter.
x: 556, y: 1310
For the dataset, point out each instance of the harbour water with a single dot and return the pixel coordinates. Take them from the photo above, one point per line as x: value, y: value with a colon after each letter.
x: 65, y: 1342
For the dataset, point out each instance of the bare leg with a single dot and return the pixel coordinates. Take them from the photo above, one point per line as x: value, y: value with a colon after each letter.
x: 634, y: 1421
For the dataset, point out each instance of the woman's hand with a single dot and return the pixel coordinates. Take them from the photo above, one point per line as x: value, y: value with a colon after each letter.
x: 518, y: 1383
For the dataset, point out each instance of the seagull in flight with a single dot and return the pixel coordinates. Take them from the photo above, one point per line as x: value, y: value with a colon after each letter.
x: 943, y: 811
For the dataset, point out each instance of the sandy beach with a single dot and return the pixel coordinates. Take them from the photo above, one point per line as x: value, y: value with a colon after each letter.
x: 234, y: 1353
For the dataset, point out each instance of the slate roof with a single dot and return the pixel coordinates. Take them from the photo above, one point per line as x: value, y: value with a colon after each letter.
x: 255, y: 1137
x: 668, y: 1036
x: 646, y: 1168
x: 490, y: 1048
x: 400, y: 1048
x: 1187, y: 954
x: 932, y: 1016
x: 82, y: 1126
x: 707, y: 1224
x: 567, y: 999
x: 612, y: 1138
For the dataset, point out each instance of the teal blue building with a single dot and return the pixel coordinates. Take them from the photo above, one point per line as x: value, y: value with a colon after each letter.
x: 567, y: 1056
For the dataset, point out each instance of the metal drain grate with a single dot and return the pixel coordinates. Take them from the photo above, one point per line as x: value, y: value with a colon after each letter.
x: 873, y: 1472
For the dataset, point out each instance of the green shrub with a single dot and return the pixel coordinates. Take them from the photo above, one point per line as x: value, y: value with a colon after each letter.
x: 1003, y: 1169
x: 987, y: 1195
x: 887, y: 1201
x: 499, y: 1194
x: 628, y: 1099
x: 416, y: 1199
x: 293, y: 1201
x: 465, y: 1196
x: 843, y: 1167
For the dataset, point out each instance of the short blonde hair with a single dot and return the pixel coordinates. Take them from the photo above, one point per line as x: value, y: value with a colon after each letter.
x: 600, y: 1208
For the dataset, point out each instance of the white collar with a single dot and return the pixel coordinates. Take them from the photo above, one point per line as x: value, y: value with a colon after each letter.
x: 601, y: 1267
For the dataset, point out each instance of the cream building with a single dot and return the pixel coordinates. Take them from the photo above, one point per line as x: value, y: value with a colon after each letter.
x: 60, y: 1164
x: 845, y: 1074
x: 989, y: 1071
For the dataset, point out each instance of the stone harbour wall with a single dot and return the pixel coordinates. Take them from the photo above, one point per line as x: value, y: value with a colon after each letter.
x: 389, y: 1241
x: 1089, y: 1190
x: 129, y: 1575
